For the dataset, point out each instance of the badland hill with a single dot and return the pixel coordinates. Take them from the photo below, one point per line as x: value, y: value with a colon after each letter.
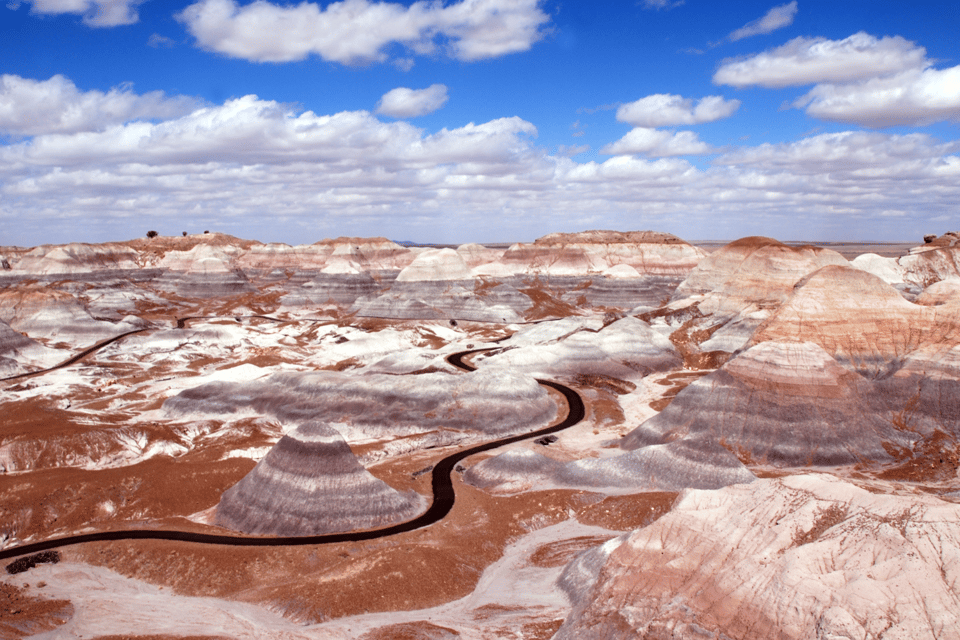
x: 595, y: 435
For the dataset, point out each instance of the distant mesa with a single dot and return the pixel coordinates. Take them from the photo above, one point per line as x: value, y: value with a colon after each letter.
x: 311, y: 483
x: 435, y: 264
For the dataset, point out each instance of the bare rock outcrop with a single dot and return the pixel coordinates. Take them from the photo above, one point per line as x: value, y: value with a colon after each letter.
x: 859, y: 320
x: 19, y: 354
x: 692, y: 463
x: 626, y: 348
x: 204, y: 271
x: 311, y: 483
x: 786, y: 404
x: 435, y: 265
x: 754, y: 271
x: 440, y: 300
x: 372, y: 406
x: 716, y: 309
x: 46, y: 314
x: 941, y: 292
x: 77, y: 259
x: 650, y: 253
x: 800, y: 557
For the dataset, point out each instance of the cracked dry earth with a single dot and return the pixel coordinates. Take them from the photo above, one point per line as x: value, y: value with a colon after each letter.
x: 770, y: 447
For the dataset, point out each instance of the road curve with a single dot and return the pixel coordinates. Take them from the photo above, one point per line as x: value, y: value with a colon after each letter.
x: 442, y: 485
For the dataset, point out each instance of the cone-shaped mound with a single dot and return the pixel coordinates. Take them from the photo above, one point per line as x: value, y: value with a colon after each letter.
x: 311, y: 483
x: 435, y: 264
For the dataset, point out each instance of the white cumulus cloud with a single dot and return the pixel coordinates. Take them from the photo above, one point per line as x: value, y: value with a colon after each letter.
x: 658, y: 143
x: 96, y: 13
x: 358, y: 31
x: 410, y: 103
x: 914, y: 97
x: 664, y: 110
x: 258, y: 168
x: 777, y: 18
x: 662, y: 4
x: 33, y: 107
x: 874, y: 82
x: 813, y: 60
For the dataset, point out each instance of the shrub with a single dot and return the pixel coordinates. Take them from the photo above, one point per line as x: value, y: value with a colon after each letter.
x: 152, y: 234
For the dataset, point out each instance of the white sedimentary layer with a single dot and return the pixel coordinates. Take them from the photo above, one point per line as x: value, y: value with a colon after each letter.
x: 377, y: 405
x: 669, y: 467
x: 626, y: 348
x: 202, y: 259
x: 800, y: 557
x: 858, y: 319
x: 19, y: 354
x: 47, y: 314
x: 941, y: 292
x: 435, y: 264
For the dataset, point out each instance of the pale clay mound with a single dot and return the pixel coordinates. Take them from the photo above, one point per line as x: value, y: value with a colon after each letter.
x: 376, y: 406
x: 436, y: 264
x: 310, y: 483
x: 627, y: 348
x: 700, y: 464
x: 792, y: 357
x: 740, y: 284
x: 650, y: 253
x: 19, y: 354
x: 800, y: 557
x: 76, y: 258
x: 792, y: 404
x: 859, y: 320
x: 45, y: 314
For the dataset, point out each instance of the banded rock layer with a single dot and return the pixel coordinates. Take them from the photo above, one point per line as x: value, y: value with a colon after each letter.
x: 683, y: 464
x: 801, y: 557
x: 310, y: 483
x: 381, y: 405
x: 792, y: 404
x: 626, y: 348
x: 859, y: 320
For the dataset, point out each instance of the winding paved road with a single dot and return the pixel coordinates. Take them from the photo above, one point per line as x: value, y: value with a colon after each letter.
x: 442, y: 484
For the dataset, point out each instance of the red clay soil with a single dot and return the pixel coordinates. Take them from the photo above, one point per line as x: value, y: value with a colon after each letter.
x: 421, y: 630
x: 545, y: 305
x: 559, y: 553
x: 936, y: 458
x: 24, y: 615
x: 160, y: 637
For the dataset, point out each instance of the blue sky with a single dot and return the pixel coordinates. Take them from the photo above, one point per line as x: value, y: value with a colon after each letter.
x: 478, y: 120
